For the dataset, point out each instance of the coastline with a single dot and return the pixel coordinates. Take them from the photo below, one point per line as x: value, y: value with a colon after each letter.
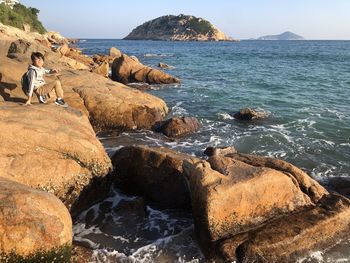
x: 104, y: 112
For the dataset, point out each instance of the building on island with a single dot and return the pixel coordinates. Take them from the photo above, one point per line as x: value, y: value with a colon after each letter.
x: 10, y: 3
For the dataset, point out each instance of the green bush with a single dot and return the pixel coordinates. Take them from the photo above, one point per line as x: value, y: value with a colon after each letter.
x: 20, y: 15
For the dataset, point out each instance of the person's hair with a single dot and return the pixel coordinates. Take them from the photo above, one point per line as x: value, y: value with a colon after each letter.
x: 37, y: 55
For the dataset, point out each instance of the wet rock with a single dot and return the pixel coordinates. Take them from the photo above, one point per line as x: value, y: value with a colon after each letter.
x: 135, y: 207
x: 154, y: 173
x: 178, y: 126
x: 127, y: 70
x: 34, y: 225
x: 248, y: 114
x: 340, y: 185
x: 214, y: 151
x: 140, y: 86
x: 294, y: 236
x: 58, y: 153
x: 238, y: 193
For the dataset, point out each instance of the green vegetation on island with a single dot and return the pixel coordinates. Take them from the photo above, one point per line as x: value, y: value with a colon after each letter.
x: 20, y: 15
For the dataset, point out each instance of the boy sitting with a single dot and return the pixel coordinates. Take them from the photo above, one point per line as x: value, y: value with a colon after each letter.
x: 37, y: 84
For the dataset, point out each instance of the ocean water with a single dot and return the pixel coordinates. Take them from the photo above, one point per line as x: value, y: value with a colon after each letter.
x: 304, y: 86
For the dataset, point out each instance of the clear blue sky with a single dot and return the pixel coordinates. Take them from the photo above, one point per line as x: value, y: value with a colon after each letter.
x: 313, y: 19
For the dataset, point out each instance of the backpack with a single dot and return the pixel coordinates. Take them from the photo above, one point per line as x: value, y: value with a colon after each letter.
x: 25, y: 82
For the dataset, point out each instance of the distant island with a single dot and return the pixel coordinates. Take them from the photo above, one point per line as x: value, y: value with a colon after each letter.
x: 284, y: 36
x: 178, y: 28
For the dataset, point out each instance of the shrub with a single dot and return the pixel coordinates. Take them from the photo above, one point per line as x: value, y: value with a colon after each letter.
x: 20, y: 15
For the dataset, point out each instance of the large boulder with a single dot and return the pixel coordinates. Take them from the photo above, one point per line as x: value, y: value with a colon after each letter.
x: 50, y: 148
x: 127, y: 70
x: 155, y: 173
x: 237, y: 194
x: 34, y: 226
x: 114, y: 105
x: 178, y: 126
x: 292, y: 237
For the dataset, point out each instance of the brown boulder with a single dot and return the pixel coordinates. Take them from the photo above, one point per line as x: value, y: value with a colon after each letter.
x: 114, y: 105
x: 127, y: 70
x: 236, y: 196
x: 292, y: 237
x: 155, y: 173
x: 178, y: 126
x: 114, y: 53
x: 50, y: 148
x: 34, y: 226
x: 248, y: 114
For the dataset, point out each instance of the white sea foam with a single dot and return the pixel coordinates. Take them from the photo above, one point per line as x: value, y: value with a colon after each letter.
x: 225, y: 116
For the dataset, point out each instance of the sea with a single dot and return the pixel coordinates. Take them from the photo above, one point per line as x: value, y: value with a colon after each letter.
x: 303, y: 86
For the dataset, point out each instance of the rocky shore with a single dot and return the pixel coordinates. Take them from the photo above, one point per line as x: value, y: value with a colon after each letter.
x: 246, y: 208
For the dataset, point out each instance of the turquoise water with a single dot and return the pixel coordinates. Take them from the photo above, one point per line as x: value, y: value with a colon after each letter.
x: 304, y: 86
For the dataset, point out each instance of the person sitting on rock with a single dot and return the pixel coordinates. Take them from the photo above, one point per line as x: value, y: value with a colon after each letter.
x: 37, y: 84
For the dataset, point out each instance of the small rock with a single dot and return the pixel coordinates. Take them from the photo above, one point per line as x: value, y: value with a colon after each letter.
x: 163, y: 65
x: 214, y: 151
x: 248, y: 114
x: 26, y: 28
x: 178, y: 126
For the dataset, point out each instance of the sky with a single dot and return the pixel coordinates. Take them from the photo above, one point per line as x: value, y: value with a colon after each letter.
x: 242, y: 19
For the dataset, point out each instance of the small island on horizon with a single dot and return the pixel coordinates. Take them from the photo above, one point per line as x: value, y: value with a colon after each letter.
x: 284, y: 36
x: 178, y: 28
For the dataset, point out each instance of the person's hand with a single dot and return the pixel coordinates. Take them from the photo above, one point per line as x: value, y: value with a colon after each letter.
x: 55, y: 70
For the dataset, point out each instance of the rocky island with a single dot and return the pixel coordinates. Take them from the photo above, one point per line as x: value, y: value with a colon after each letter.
x: 178, y: 28
x: 284, y: 36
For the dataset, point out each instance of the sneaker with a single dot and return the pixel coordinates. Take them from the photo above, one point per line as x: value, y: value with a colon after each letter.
x: 61, y: 102
x: 42, y: 99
